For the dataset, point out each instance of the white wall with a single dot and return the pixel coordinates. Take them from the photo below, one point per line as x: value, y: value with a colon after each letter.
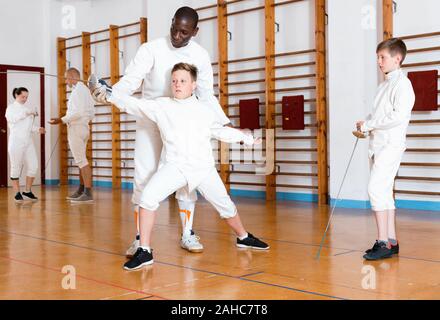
x: 353, y: 79
x: 17, y: 35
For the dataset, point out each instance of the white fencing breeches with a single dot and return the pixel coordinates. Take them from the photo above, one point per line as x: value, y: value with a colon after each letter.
x: 169, y: 178
x: 20, y: 155
x: 148, y: 148
x: 77, y: 136
x: 384, y: 166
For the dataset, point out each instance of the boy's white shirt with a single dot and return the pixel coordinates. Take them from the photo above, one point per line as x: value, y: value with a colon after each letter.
x: 21, y: 122
x: 186, y: 127
x: 80, y: 107
x: 389, y: 120
x: 153, y: 63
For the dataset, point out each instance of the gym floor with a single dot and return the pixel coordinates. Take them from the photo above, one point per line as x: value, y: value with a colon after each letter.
x: 38, y: 240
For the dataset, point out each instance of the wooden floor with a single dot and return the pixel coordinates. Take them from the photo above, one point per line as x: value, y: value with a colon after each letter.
x: 38, y: 240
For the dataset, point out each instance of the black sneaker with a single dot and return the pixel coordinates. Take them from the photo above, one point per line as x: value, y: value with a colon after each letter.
x: 381, y: 252
x: 394, y: 249
x: 18, y: 197
x: 141, y: 258
x: 252, y: 242
x: 29, y: 196
x: 374, y: 247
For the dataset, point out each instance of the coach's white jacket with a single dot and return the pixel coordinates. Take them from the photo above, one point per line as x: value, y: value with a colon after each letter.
x: 389, y: 120
x: 152, y: 65
x: 186, y: 127
x: 80, y: 107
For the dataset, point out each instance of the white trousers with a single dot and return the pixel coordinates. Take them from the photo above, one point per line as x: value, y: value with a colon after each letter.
x: 384, y: 166
x: 77, y: 136
x: 23, y: 154
x: 169, y: 178
x: 148, y: 148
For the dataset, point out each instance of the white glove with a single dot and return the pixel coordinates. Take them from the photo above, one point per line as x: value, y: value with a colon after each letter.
x: 100, y: 95
x: 250, y: 140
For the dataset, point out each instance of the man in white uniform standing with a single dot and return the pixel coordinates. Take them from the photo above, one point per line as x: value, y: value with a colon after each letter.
x: 80, y: 111
x: 152, y: 65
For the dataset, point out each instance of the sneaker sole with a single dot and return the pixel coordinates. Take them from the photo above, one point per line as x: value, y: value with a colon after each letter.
x: 382, y: 258
x: 368, y: 251
x: 250, y: 247
x: 192, y: 250
x: 140, y: 266
x: 18, y: 201
x: 80, y: 202
x: 33, y: 200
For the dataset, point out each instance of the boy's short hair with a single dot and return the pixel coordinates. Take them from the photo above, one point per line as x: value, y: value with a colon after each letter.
x: 192, y: 69
x: 394, y: 46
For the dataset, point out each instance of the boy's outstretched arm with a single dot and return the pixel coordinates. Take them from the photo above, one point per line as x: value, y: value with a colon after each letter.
x: 141, y: 108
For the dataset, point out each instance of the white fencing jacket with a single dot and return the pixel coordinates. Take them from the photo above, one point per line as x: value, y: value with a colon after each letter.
x: 389, y: 120
x: 21, y: 124
x: 153, y: 64
x: 80, y: 107
x: 186, y: 127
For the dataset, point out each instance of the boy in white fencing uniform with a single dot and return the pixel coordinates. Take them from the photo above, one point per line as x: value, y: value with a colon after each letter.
x: 387, y: 127
x: 21, y: 148
x: 80, y: 111
x: 152, y: 65
x: 186, y: 127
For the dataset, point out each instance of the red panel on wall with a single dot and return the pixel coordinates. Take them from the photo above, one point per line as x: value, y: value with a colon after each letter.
x: 250, y: 114
x: 293, y: 113
x: 425, y: 84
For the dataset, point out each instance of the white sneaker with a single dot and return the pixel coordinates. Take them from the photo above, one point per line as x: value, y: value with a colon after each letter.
x: 133, y: 248
x: 191, y: 243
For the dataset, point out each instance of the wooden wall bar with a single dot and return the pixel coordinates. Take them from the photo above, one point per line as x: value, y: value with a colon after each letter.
x: 387, y: 7
x: 116, y: 119
x: 270, y: 98
x: 61, y: 54
x: 222, y: 80
x: 321, y: 100
x: 86, y: 71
